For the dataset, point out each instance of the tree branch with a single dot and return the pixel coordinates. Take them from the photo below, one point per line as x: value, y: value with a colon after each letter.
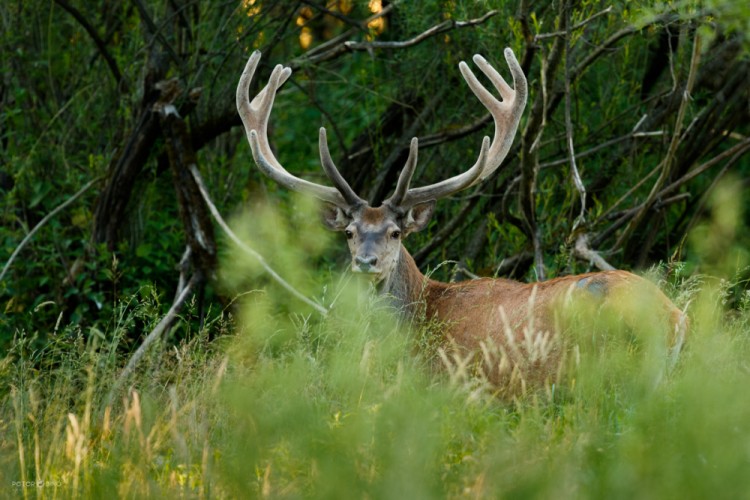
x: 599, y: 147
x: 735, y: 152
x: 353, y: 46
x: 152, y: 337
x: 544, y: 36
x: 111, y: 63
x: 217, y: 216
x: 156, y: 32
x: 666, y: 164
x: 446, y: 230
x: 529, y: 155
x: 578, y: 183
x: 199, y: 232
x: 584, y: 252
x: 42, y: 222
x: 429, y: 33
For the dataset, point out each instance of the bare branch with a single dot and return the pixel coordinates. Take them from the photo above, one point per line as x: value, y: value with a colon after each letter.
x: 100, y: 45
x: 672, y: 199
x: 584, y: 252
x: 666, y: 164
x: 623, y: 217
x: 353, y: 46
x: 435, y: 30
x: 447, y: 230
x: 735, y: 152
x: 155, y: 334
x: 42, y: 222
x: 544, y: 36
x: 281, y: 281
x: 569, y: 124
x: 603, y: 145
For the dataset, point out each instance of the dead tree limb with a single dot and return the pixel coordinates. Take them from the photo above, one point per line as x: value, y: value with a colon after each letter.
x: 583, y: 251
x: 574, y: 173
x: 579, y: 25
x: 220, y: 220
x: 667, y: 162
x: 344, y: 46
x: 196, y: 221
x: 429, y: 33
x: 100, y: 45
x: 446, y: 231
x: 152, y: 337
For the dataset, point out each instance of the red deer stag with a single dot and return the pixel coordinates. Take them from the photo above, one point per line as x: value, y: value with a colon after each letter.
x: 471, y: 313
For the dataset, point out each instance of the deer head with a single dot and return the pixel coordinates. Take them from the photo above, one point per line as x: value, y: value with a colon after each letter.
x: 375, y: 234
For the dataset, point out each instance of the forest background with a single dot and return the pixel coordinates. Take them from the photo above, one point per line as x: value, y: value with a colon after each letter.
x: 633, y: 153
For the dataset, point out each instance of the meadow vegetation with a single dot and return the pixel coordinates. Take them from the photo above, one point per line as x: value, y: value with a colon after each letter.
x: 287, y: 403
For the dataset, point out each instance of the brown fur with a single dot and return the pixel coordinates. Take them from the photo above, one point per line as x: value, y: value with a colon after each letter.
x: 470, y: 317
x: 373, y: 216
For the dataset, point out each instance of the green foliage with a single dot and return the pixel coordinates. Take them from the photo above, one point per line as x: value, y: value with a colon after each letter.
x: 294, y: 405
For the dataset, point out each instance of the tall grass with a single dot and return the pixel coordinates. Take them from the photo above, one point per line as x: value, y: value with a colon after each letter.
x: 290, y: 404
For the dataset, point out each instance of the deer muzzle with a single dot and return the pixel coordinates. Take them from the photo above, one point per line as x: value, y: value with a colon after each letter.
x: 366, y: 264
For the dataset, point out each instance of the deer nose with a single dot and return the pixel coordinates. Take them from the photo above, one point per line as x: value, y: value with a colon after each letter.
x: 366, y: 262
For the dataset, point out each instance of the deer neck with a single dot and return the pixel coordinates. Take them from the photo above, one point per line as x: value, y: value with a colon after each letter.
x: 406, y: 284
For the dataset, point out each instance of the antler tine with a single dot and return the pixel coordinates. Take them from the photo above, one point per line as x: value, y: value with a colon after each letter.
x: 402, y: 186
x: 449, y: 186
x: 333, y: 173
x: 506, y: 115
x: 255, y: 115
x: 289, y: 181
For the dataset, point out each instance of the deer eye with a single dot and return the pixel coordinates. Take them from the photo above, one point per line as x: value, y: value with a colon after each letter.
x: 349, y: 234
x: 396, y: 235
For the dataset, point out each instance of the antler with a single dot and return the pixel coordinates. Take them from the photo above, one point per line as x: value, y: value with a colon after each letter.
x: 506, y: 114
x: 255, y: 116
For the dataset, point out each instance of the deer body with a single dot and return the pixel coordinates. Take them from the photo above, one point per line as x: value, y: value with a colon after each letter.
x: 504, y: 312
x: 471, y: 314
x: 469, y: 309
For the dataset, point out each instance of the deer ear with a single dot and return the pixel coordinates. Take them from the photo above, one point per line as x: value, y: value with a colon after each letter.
x: 333, y: 217
x: 418, y: 216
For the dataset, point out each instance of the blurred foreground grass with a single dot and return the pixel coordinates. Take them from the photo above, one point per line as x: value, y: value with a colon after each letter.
x: 291, y: 405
